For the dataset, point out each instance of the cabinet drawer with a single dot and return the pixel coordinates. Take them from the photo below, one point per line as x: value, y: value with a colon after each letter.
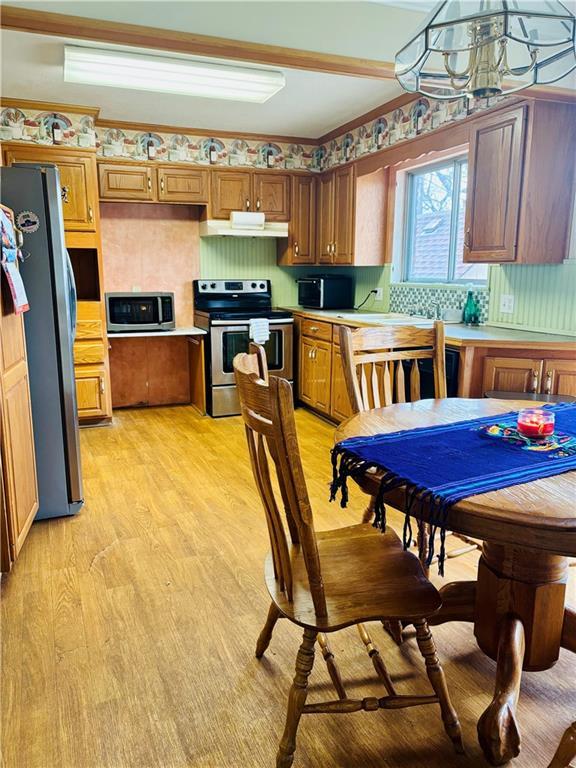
x: 89, y: 352
x: 317, y: 329
x: 336, y: 333
x: 91, y: 391
x: 89, y: 320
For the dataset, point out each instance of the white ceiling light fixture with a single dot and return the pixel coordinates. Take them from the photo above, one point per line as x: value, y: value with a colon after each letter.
x: 483, y: 48
x: 164, y: 74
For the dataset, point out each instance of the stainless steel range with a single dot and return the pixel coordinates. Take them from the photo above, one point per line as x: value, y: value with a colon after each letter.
x: 224, y: 308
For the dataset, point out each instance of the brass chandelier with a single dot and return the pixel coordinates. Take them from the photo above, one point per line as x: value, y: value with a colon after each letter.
x: 484, y: 48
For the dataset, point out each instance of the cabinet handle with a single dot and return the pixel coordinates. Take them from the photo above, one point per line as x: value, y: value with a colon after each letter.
x: 467, y: 239
x: 314, y: 328
x: 64, y: 192
x: 314, y: 351
x: 162, y: 184
x: 101, y: 385
x: 333, y: 249
x: 257, y: 203
x: 90, y: 214
x: 311, y: 354
x: 548, y: 383
x: 534, y: 381
x: 296, y: 249
x: 149, y: 183
x: 247, y: 204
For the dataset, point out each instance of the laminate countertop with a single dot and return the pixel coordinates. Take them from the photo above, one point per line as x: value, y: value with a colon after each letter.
x: 457, y: 334
x: 190, y: 331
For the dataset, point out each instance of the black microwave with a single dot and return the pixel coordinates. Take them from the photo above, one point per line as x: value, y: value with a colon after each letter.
x: 326, y: 292
x: 132, y: 312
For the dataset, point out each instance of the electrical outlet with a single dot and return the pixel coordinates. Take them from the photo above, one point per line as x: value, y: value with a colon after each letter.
x: 507, y: 304
x: 379, y: 294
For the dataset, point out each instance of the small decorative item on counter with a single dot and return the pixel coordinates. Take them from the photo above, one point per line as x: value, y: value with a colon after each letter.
x: 471, y: 311
x: 536, y: 422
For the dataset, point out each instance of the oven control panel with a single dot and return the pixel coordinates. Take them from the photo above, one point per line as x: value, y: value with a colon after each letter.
x: 232, y: 286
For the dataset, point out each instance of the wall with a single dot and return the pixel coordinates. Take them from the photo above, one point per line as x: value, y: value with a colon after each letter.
x: 228, y: 257
x: 152, y: 248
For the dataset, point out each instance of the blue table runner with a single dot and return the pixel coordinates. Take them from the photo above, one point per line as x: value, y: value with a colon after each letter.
x: 444, y: 464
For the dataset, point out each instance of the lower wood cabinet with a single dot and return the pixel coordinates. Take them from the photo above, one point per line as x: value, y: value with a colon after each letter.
x: 92, y: 392
x: 511, y: 374
x: 560, y: 377
x: 340, y: 407
x: 315, y: 373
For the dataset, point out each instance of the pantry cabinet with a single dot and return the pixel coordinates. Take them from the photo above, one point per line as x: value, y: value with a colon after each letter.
x: 91, y: 367
x: 77, y: 180
x: 265, y: 192
x: 300, y: 246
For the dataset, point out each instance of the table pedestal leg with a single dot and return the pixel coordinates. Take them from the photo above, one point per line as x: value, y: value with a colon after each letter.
x: 566, y: 752
x: 518, y: 621
x: 497, y: 729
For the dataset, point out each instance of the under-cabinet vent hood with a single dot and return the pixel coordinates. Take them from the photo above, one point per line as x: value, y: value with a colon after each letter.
x: 243, y: 224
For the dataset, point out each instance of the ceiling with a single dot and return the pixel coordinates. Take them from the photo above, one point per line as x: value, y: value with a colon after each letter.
x: 310, y: 105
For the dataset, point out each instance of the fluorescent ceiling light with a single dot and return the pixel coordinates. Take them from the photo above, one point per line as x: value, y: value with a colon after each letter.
x: 190, y: 77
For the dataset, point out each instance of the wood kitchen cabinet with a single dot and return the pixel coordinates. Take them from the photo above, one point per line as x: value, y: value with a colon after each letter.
x: 265, y: 192
x: 559, y: 377
x: 125, y: 181
x: 91, y: 364
x: 344, y: 188
x: 182, y: 185
x: 325, y: 226
x: 300, y: 246
x: 340, y: 407
x: 315, y: 373
x: 92, y: 392
x: 17, y: 457
x: 77, y: 179
x: 512, y: 374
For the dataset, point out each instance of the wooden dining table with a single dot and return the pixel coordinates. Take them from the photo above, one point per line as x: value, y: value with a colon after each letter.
x: 517, y: 602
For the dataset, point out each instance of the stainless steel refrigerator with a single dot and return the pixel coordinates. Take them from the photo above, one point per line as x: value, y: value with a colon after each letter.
x: 50, y: 327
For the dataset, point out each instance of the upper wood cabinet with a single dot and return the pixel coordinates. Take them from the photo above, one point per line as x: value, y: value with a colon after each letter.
x: 77, y: 180
x: 231, y: 191
x: 182, y: 185
x: 494, y: 184
x: 123, y: 181
x: 521, y: 181
x: 300, y: 247
x: 271, y: 195
x: 265, y: 191
x: 325, y: 220
x: 344, y: 188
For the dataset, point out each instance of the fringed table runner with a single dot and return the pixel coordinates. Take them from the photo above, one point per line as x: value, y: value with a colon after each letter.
x: 444, y: 464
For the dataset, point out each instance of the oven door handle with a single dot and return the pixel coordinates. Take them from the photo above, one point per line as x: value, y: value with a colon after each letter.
x: 246, y: 323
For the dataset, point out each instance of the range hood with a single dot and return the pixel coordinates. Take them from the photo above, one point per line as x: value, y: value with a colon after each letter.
x: 243, y: 224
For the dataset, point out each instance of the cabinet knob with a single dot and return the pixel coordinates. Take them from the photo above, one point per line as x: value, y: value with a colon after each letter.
x: 247, y: 204
x: 548, y: 383
x: 149, y: 182
x: 314, y: 328
x: 258, y: 204
x: 101, y: 385
x: 162, y: 184
x: 535, y: 376
x: 296, y: 249
x: 90, y: 214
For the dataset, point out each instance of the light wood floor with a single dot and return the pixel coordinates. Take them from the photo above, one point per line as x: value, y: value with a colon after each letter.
x: 128, y: 632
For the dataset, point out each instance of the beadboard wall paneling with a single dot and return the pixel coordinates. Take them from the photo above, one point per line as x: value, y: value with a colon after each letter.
x: 235, y: 257
x: 544, y: 296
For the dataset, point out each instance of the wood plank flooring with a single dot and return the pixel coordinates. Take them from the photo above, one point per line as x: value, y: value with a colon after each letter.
x: 128, y: 632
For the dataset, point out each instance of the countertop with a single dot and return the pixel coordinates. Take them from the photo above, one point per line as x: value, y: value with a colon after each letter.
x: 456, y: 333
x: 191, y: 331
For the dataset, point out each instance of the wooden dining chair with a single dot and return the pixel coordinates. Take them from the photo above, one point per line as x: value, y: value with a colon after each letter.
x: 566, y: 751
x: 330, y: 580
x: 373, y: 361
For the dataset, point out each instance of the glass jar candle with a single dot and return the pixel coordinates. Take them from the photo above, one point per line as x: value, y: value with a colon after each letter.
x: 536, y: 422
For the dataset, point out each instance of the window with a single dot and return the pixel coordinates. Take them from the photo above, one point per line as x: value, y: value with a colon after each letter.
x: 434, y: 225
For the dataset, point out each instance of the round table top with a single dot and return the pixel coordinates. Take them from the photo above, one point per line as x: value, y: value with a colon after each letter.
x: 538, y: 515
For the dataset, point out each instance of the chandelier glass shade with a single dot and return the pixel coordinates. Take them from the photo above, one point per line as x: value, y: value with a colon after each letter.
x: 484, y: 48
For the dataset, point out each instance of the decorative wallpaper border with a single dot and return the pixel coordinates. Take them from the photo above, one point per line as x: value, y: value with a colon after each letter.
x: 73, y: 129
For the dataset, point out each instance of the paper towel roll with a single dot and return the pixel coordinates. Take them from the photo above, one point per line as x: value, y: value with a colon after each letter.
x: 246, y: 220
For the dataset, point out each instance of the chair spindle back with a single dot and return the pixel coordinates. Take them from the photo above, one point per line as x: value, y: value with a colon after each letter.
x: 268, y: 411
x: 373, y: 363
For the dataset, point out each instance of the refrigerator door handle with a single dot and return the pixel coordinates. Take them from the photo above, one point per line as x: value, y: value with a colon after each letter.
x: 73, y: 298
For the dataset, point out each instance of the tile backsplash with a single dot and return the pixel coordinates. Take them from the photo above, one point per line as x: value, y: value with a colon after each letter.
x: 407, y: 297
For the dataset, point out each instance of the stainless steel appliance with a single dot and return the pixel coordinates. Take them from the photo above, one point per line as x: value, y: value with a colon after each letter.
x: 326, y: 292
x: 50, y: 327
x: 126, y: 312
x: 224, y: 309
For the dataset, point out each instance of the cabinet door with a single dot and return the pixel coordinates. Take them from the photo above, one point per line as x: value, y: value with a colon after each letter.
x: 231, y: 191
x: 77, y: 182
x: 272, y: 195
x: 495, y: 162
x: 344, y: 216
x: 511, y: 374
x: 168, y: 371
x: 322, y: 375
x: 302, y: 238
x: 306, y: 384
x: 325, y: 219
x: 559, y: 377
x: 180, y: 185
x: 120, y: 181
x: 129, y: 372
x: 91, y: 392
x: 340, y: 408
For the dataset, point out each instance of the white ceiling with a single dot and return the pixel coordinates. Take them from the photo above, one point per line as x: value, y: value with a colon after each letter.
x: 310, y: 105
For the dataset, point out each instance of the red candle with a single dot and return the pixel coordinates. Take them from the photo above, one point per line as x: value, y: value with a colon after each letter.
x: 535, y: 422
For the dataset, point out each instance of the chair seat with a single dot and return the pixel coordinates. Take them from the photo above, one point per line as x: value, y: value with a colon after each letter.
x: 367, y: 577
